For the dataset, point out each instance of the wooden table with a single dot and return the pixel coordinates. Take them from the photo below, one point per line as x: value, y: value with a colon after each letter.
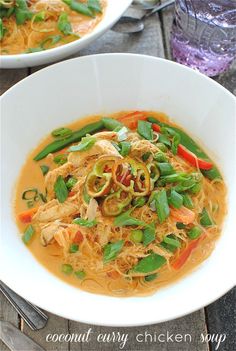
x: 218, y: 317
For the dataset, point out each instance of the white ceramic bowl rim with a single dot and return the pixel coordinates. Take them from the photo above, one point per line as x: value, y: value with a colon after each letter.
x: 99, y: 307
x: 41, y: 57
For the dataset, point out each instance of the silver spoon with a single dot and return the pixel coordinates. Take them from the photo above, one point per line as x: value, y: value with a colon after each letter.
x: 128, y: 25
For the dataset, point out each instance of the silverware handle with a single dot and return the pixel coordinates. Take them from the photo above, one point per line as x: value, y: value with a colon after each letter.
x: 159, y: 8
x: 31, y: 314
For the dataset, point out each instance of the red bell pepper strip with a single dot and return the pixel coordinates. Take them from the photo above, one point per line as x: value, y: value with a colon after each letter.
x: 26, y: 216
x: 184, y: 255
x: 182, y: 214
x: 78, y: 238
x: 131, y: 119
x: 193, y: 159
x: 156, y: 128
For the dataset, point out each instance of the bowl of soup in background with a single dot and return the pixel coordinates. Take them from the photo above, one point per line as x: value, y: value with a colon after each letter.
x: 113, y: 11
x: 103, y: 84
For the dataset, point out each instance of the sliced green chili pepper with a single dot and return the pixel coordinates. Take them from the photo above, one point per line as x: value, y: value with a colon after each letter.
x: 154, y: 173
x: 131, y: 176
x: 76, y: 136
x: 114, y: 203
x: 98, y: 181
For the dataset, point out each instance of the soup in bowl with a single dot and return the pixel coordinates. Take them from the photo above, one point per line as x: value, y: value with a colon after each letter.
x: 120, y: 205
x: 140, y: 134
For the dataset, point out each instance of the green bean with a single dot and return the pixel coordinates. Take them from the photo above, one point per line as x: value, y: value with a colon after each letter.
x: 58, y: 145
x: 112, y: 124
x: 79, y: 7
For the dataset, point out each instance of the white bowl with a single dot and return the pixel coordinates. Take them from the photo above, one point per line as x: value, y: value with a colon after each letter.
x: 114, y: 10
x: 103, y: 84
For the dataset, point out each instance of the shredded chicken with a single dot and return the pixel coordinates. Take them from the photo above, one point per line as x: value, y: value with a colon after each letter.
x: 53, y: 210
x: 101, y: 147
x: 51, y: 178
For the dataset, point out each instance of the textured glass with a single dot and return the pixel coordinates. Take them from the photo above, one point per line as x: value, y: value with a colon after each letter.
x: 204, y: 34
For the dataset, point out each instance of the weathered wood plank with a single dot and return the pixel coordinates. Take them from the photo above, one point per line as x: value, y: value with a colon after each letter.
x: 166, y: 16
x: 9, y: 314
x: 228, y: 79
x: 10, y: 77
x: 55, y: 325
x: 190, y: 327
x: 221, y: 318
x: 148, y: 42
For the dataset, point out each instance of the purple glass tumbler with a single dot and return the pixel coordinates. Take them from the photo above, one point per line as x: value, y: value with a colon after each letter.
x: 204, y: 34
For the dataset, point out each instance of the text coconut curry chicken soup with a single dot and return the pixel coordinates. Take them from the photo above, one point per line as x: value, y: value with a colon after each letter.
x: 120, y: 205
x: 28, y: 26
